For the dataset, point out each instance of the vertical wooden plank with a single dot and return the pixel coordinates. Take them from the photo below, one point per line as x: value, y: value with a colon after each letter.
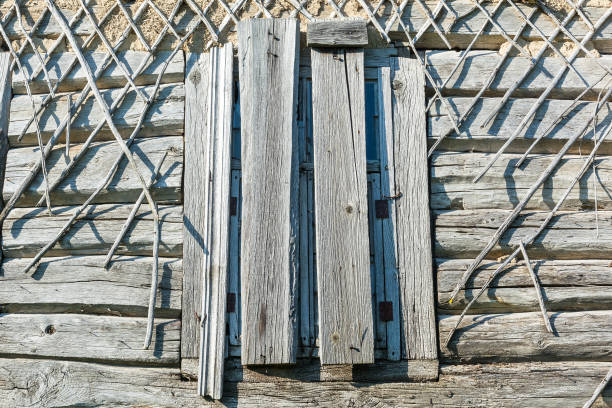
x: 387, y: 185
x: 341, y: 208
x: 208, y: 112
x: 413, y: 234
x: 234, y: 263
x: 376, y: 240
x: 214, y: 280
x: 5, y: 107
x: 269, y: 65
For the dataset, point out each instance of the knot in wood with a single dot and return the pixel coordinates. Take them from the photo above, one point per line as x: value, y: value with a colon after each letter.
x: 348, y: 209
x: 195, y: 77
x: 50, y: 329
x: 397, y: 85
x: 335, y: 337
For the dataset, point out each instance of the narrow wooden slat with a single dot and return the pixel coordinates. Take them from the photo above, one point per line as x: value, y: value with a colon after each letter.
x: 233, y: 314
x: 413, y: 234
x: 94, y: 338
x: 80, y: 284
x: 165, y: 116
x: 217, y: 157
x: 346, y: 332
x: 376, y: 261
x: 351, y: 32
x: 387, y: 186
x: 268, y: 61
x: 112, y: 77
x: 5, y: 101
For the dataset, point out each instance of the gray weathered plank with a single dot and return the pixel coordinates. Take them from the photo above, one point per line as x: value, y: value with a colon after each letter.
x: 571, y: 235
x: 234, y: 316
x: 94, y: 338
x: 412, y: 224
x: 164, y: 117
x: 502, y: 188
x: 112, y: 77
x: 85, y: 177
x: 477, y: 66
x: 341, y: 209
x: 350, y: 32
x: 26, y: 230
x: 268, y: 61
x: 30, y: 382
x: 491, y: 137
x: 5, y: 100
x: 523, y: 336
x: 80, y: 284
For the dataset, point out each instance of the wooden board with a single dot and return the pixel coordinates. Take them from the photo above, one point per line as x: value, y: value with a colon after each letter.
x: 268, y: 61
x: 165, y: 116
x: 341, y: 209
x: 491, y: 137
x: 412, y: 225
x: 459, y: 34
x: 209, y: 97
x: 80, y: 284
x: 523, y: 337
x: 112, y: 77
x: 85, y: 177
x: 352, y: 32
x: 571, y: 235
x: 5, y: 100
x: 64, y: 383
x: 88, y: 337
x: 26, y: 230
x: 504, y: 185
x: 478, y: 65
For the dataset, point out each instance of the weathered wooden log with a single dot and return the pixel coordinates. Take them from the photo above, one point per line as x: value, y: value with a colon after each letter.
x: 470, y: 78
x: 80, y: 284
x: 85, y: 177
x: 89, y: 337
x: 452, y: 188
x: 63, y: 383
x: 522, y: 337
x: 26, y: 230
x: 338, y: 33
x: 571, y: 236
x: 60, y: 62
x: 490, y: 138
x: 165, y: 117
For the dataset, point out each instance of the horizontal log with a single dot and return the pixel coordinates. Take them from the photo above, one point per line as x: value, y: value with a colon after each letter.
x: 87, y: 337
x: 459, y: 34
x: 523, y: 336
x: 80, y: 284
x: 26, y: 230
x: 311, y: 370
x: 470, y: 21
x: 112, y: 77
x: 491, y: 137
x: 337, y: 33
x: 571, y: 234
x: 503, y: 186
x: 85, y: 177
x: 478, y: 65
x: 66, y: 383
x: 164, y: 117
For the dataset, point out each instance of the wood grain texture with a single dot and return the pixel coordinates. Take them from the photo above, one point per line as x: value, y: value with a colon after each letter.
x: 165, y: 116
x: 268, y: 53
x: 491, y: 137
x: 352, y: 32
x: 88, y: 337
x: 571, y: 234
x: 523, y: 337
x: 412, y: 232
x: 112, y: 77
x: 5, y: 100
x: 471, y: 76
x: 85, y: 177
x: 26, y: 230
x: 341, y: 209
x: 502, y: 188
x: 66, y: 383
x: 80, y: 284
